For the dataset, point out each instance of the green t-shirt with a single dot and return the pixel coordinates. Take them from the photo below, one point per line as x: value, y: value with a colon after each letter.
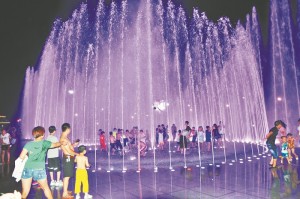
x: 37, y: 151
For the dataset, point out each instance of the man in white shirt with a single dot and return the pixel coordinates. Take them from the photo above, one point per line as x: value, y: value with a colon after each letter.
x: 5, y: 146
x: 54, y: 160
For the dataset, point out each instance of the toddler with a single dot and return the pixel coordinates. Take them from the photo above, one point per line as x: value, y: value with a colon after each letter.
x: 81, y: 173
x: 284, y: 149
x: 291, y: 146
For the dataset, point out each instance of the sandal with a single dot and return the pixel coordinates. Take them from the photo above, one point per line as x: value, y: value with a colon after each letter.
x: 68, y: 197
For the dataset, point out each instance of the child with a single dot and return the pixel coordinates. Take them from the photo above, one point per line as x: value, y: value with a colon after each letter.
x: 35, y: 165
x: 174, y: 130
x: 118, y: 140
x: 177, y: 139
x: 53, y: 159
x: 284, y: 150
x: 291, y: 146
x: 157, y: 134
x: 131, y: 138
x: 193, y: 134
x: 81, y: 173
x: 208, y: 137
x: 112, y: 141
x: 161, y: 140
x: 102, y: 141
x: 114, y: 133
x: 126, y: 138
x: 217, y: 135
x: 183, y: 140
x: 143, y: 146
x: 200, y: 137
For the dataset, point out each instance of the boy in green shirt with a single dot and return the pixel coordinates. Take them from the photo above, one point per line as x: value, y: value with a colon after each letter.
x: 35, y: 165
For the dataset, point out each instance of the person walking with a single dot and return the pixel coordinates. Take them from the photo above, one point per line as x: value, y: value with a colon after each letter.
x: 271, y: 137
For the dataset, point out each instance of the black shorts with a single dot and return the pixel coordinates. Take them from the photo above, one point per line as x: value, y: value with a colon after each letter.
x: 217, y: 137
x: 68, y: 164
x: 194, y: 138
x: 125, y: 141
x: 118, y: 144
x: 132, y: 141
x: 5, y: 147
x: 54, y: 164
x: 183, y: 142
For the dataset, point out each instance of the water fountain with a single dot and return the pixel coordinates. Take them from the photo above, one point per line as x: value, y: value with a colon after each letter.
x: 106, y: 69
x: 109, y: 62
x: 284, y: 101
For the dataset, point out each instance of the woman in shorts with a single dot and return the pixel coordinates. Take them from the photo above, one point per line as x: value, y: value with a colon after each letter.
x: 35, y: 165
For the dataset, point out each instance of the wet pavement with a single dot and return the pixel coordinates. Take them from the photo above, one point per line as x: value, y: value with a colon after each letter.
x: 244, y: 175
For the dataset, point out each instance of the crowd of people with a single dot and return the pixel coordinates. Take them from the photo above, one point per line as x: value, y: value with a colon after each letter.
x: 34, y: 153
x: 122, y: 141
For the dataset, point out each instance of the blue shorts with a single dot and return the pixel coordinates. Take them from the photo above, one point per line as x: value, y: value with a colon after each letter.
x: 194, y: 138
x: 273, y: 150
x: 35, y: 174
x: 285, y: 155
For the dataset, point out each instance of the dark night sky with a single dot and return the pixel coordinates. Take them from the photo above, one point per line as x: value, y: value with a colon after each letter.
x: 25, y: 26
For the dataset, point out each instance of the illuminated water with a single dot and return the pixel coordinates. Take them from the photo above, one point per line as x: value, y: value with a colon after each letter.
x: 107, y: 68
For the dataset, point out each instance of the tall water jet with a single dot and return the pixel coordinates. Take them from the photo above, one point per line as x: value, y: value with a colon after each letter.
x: 284, y: 97
x: 172, y: 41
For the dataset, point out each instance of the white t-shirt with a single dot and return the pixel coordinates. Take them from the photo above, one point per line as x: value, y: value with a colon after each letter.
x: 177, y: 138
x: 184, y: 132
x: 200, y: 136
x: 160, y: 138
x: 5, y: 138
x: 298, y: 129
x: 52, y: 153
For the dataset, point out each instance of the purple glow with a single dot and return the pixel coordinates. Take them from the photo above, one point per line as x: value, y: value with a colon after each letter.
x: 120, y: 66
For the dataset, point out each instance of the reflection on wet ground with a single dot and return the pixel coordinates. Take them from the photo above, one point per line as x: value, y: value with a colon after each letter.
x: 245, y: 177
